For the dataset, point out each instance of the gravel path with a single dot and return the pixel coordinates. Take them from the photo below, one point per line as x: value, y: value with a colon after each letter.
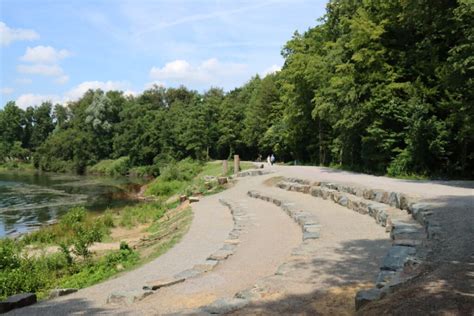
x: 447, y: 285
x: 349, y: 251
x: 257, y: 256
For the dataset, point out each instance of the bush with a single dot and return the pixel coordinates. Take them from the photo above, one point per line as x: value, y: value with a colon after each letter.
x: 165, y: 188
x: 144, y: 171
x: 174, y: 178
x: 111, y: 167
x: 183, y: 170
x: 9, y: 257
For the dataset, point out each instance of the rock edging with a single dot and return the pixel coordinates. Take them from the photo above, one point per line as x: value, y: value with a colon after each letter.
x: 311, y: 232
x: 253, y: 173
x: 228, y: 248
x: 411, y: 235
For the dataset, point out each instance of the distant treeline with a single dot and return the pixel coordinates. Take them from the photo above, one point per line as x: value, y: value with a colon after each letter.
x: 377, y: 86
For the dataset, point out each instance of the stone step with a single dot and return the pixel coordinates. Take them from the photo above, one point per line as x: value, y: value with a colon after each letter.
x: 308, y: 222
x: 408, y: 233
x: 394, y: 199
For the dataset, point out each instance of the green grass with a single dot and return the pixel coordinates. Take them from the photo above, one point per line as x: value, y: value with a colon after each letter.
x: 187, y: 177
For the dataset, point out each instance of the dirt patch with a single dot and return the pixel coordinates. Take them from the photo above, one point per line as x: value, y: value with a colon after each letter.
x: 272, y: 181
x: 338, y: 300
x: 439, y: 290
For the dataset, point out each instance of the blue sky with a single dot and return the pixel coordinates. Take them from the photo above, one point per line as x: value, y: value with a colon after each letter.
x: 56, y: 50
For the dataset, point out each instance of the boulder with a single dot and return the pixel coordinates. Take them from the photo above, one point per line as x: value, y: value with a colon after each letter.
x: 403, y: 230
x: 366, y: 296
x: 193, y: 199
x: 396, y: 257
x: 61, y: 292
x: 17, y: 301
x: 222, y: 180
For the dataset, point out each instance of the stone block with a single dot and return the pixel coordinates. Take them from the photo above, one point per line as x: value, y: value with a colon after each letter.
x: 343, y: 201
x: 396, y: 257
x: 384, y: 277
x: 222, y: 180
x: 366, y: 296
x: 316, y: 191
x: 17, y: 301
x: 225, y: 305
x: 193, y: 199
x: 402, y: 230
x: 220, y: 254
x: 60, y: 292
x: 311, y: 235
x: 394, y: 199
x: 155, y: 285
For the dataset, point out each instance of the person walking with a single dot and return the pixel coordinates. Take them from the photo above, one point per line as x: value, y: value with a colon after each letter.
x: 269, y: 161
x: 272, y: 159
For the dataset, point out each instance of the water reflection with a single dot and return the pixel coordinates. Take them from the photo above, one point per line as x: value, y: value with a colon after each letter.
x: 31, y: 200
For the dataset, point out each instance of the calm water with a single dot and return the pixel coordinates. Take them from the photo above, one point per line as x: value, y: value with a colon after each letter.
x: 31, y: 200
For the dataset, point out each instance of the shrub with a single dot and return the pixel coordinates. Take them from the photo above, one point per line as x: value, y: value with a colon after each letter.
x: 9, y: 256
x: 165, y: 188
x: 111, y: 167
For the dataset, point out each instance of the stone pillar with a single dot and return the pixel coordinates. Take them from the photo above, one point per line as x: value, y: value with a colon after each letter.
x: 225, y: 167
x: 236, y: 164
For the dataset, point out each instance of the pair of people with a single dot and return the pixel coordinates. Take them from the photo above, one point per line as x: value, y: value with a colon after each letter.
x: 271, y: 159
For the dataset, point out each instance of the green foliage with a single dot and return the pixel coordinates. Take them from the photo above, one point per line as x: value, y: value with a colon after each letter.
x: 174, y: 178
x: 111, y: 167
x: 376, y: 87
x: 75, y: 227
x: 93, y: 272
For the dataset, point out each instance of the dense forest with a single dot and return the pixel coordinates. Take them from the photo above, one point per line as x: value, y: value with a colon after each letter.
x: 383, y: 87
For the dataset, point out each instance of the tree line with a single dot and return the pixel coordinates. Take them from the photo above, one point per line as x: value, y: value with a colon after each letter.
x: 377, y: 86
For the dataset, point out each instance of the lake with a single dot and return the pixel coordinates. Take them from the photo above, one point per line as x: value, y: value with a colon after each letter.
x: 29, y: 200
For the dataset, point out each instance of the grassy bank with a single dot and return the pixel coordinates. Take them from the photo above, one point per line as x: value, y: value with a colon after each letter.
x: 189, y: 177
x: 84, y: 248
x: 16, y: 166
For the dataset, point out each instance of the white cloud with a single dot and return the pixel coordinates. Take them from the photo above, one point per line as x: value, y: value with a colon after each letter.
x: 41, y: 69
x: 75, y: 93
x: 270, y: 70
x: 8, y: 35
x: 208, y: 72
x: 44, y: 54
x: 6, y: 90
x: 62, y: 80
x: 23, y: 81
x: 30, y: 99
x: 80, y: 89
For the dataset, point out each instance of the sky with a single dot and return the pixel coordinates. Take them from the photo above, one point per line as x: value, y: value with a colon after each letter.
x: 55, y: 50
